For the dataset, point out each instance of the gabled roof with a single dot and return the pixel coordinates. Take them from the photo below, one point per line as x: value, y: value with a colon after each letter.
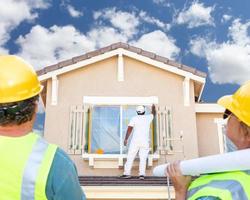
x: 115, y: 46
x: 118, y: 49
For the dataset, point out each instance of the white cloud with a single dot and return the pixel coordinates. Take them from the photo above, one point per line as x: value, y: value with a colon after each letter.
x: 4, y: 51
x: 228, y: 62
x: 42, y: 47
x: 97, y: 14
x: 104, y: 36
x: 151, y: 20
x: 73, y: 12
x: 38, y: 4
x: 198, y: 46
x: 124, y: 21
x: 159, y: 1
x: 162, y: 2
x: 128, y: 23
x: 46, y: 46
x: 196, y: 15
x: 226, y: 18
x: 13, y: 12
x: 239, y: 32
x: 59, y: 43
x: 159, y: 43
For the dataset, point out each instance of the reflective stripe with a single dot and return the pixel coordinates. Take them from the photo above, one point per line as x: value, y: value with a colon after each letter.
x: 234, y: 187
x: 32, y: 168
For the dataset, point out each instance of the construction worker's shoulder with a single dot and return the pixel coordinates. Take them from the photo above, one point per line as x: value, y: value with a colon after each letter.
x: 63, y: 159
x: 63, y: 177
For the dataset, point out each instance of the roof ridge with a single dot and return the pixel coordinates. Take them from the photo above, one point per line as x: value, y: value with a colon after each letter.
x: 118, y: 45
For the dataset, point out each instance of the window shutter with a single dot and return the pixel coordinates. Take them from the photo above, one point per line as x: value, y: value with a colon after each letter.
x: 77, y: 128
x: 164, y: 129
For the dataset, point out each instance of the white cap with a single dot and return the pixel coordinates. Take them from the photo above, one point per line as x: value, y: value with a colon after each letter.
x: 140, y: 109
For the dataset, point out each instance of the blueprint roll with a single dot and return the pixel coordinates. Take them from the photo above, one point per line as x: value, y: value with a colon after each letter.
x: 160, y: 170
x: 233, y: 161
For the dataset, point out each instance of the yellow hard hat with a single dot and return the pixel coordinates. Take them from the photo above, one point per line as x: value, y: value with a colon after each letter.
x: 18, y: 80
x: 238, y: 103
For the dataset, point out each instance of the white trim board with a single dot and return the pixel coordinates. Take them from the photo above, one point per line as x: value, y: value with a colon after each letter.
x: 120, y: 68
x: 208, y: 108
x: 186, y: 91
x: 101, y: 100
x: 125, y: 52
x: 54, y: 90
x: 79, y: 64
x: 220, y: 122
x: 119, y: 157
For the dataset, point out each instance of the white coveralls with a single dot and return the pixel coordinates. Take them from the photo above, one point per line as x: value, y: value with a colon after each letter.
x: 139, y: 142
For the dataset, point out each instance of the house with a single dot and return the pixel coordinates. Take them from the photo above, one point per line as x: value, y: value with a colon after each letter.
x: 89, y: 100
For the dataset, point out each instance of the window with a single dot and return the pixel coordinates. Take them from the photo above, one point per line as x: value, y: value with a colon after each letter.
x: 108, y: 128
x: 104, y: 132
x: 101, y: 129
x: 98, y: 127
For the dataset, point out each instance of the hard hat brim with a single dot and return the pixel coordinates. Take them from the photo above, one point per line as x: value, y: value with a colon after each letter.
x: 238, y: 103
x: 226, y: 102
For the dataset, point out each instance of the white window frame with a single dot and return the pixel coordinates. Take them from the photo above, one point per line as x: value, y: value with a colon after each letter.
x: 220, y: 123
x: 114, y: 100
x: 102, y: 100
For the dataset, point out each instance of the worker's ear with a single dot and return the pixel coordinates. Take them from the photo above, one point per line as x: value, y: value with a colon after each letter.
x: 247, y: 139
x: 245, y: 130
x: 36, y: 107
x: 35, y: 113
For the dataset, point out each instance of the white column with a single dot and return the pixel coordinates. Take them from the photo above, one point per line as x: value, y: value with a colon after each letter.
x: 186, y: 91
x: 54, y: 91
x: 220, y: 123
x: 120, y: 68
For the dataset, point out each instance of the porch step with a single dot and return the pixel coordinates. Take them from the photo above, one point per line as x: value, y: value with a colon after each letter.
x: 116, y: 181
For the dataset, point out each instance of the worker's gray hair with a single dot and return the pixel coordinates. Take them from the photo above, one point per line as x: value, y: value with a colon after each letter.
x: 17, y: 113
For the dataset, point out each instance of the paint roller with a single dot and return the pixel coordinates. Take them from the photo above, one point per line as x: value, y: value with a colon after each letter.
x: 232, y: 161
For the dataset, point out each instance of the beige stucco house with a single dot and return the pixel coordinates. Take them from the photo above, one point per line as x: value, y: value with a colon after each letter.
x: 89, y: 100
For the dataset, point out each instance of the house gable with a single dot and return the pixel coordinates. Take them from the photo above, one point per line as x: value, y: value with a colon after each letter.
x: 127, y: 50
x: 120, y: 50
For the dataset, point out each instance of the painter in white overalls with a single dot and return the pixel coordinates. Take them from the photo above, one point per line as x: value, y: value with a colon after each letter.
x: 139, y: 126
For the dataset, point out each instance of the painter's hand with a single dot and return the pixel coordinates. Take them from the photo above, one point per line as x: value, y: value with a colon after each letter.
x: 125, y: 142
x: 180, y: 182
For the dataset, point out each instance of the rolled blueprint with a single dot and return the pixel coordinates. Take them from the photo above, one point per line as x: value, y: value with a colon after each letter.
x: 233, y: 161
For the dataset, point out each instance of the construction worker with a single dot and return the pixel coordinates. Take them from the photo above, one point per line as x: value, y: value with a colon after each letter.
x: 30, y: 169
x: 140, y: 125
x: 228, y: 185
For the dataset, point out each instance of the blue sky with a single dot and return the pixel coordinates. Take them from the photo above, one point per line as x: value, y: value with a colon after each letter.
x: 212, y: 36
